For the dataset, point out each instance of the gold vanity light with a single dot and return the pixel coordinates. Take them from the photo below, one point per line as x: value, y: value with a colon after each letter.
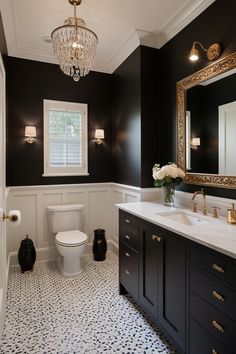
x: 212, y: 53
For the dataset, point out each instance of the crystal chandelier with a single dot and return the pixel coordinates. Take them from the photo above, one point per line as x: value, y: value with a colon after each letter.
x: 74, y: 45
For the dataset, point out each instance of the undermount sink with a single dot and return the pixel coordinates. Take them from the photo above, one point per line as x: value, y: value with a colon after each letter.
x: 185, y: 218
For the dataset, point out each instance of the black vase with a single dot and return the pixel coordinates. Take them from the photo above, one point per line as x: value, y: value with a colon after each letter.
x: 99, y: 245
x: 26, y: 255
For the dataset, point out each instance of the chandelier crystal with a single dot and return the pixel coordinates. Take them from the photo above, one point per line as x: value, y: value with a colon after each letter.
x: 74, y: 45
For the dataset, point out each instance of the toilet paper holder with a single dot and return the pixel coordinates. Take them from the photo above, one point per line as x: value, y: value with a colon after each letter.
x: 10, y: 217
x: 14, y: 216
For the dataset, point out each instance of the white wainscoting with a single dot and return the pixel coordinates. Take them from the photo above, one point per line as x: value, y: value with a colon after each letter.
x: 99, y: 212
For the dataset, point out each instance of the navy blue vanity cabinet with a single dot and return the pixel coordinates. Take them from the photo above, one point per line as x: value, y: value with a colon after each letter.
x: 162, y: 275
x: 128, y: 254
x: 212, y: 302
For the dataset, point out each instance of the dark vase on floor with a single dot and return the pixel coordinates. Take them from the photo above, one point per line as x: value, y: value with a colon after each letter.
x: 99, y: 245
x: 26, y: 255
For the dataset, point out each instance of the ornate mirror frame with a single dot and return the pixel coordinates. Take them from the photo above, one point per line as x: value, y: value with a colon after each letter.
x: 219, y: 67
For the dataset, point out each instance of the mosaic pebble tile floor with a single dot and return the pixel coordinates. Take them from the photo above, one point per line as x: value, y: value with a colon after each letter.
x: 48, y: 314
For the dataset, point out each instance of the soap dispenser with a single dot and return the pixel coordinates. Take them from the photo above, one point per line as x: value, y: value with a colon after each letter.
x: 231, y: 215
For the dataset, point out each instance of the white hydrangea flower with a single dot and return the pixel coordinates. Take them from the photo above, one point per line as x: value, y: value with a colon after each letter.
x: 171, y: 171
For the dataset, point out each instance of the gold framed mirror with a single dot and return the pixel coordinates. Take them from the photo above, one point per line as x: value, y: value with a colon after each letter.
x: 219, y: 176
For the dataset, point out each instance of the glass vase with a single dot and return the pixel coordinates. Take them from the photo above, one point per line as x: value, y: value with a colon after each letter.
x: 168, y: 195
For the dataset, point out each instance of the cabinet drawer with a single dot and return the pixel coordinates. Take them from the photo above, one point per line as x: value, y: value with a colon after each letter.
x: 129, y: 220
x: 202, y: 342
x: 214, y: 321
x: 214, y: 264
x: 214, y: 292
x: 129, y: 269
x: 129, y: 236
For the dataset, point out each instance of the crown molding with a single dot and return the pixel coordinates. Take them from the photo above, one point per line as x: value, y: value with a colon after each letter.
x: 187, y: 13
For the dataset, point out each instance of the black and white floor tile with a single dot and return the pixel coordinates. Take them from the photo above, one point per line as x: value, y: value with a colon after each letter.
x: 49, y: 314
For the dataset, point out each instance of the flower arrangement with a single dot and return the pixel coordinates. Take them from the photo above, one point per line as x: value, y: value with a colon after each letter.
x: 168, y: 177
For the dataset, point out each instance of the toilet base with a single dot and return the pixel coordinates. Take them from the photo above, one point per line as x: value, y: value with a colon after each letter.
x: 63, y: 273
x: 70, y: 267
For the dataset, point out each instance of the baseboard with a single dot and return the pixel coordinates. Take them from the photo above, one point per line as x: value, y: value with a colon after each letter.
x: 42, y: 254
x: 50, y: 253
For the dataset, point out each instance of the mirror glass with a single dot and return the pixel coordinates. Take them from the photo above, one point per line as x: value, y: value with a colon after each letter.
x: 206, y: 124
x: 211, y: 126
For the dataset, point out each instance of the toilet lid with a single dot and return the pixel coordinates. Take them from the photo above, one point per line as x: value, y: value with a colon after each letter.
x: 71, y: 238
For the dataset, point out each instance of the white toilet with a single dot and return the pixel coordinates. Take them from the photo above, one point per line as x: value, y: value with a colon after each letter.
x: 64, y: 221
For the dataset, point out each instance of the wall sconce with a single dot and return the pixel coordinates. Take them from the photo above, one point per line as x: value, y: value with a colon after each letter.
x: 195, y: 143
x: 212, y: 53
x: 30, y: 134
x: 99, y: 136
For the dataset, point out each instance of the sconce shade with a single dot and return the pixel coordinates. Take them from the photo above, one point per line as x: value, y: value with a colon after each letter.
x: 194, y: 53
x: 30, y: 131
x: 196, y: 141
x: 99, y: 134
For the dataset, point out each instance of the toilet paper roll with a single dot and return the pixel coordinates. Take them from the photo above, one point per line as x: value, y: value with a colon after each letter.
x: 15, y: 217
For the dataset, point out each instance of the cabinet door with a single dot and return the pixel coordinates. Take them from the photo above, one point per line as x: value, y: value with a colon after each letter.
x: 150, y: 266
x: 172, y: 313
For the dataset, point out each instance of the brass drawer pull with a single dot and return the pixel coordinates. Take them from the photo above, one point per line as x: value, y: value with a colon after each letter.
x: 127, y: 272
x: 156, y: 238
x: 127, y: 254
x: 218, y: 296
x: 214, y: 351
x: 128, y: 237
x: 218, y: 326
x: 127, y: 221
x: 217, y: 268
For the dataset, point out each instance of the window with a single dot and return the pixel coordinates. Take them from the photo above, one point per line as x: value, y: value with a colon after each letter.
x: 65, y: 139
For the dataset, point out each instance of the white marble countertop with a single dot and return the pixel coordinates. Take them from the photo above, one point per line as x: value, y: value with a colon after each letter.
x: 213, y: 233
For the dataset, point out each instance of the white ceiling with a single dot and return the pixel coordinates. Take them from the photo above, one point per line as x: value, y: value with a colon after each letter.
x: 121, y: 25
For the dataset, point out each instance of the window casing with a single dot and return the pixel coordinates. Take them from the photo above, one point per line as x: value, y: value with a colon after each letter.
x: 65, y: 138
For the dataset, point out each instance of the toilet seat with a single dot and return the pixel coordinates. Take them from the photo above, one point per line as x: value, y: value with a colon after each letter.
x: 71, y: 238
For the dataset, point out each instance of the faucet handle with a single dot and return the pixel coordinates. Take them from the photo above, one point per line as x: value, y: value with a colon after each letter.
x: 215, y: 213
x: 194, y: 208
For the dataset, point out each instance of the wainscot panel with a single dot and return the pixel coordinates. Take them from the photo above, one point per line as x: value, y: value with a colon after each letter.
x: 99, y: 211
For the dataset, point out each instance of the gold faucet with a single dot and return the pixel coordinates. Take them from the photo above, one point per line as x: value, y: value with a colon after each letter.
x: 204, y: 210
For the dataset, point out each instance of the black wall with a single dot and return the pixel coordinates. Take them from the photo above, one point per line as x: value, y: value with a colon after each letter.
x: 127, y: 121
x: 135, y: 115
x: 215, y: 24
x: 28, y: 83
x: 144, y: 111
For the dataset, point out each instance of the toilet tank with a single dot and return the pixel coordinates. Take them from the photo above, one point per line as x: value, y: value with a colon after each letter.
x: 64, y: 217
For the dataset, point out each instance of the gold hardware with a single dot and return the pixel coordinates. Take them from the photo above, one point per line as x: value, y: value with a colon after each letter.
x: 218, y: 296
x: 194, y: 209
x: 127, y: 236
x: 214, y: 351
x: 127, y: 272
x: 75, y: 2
x: 204, y: 211
x: 10, y: 217
x: 218, y: 326
x: 127, y: 221
x: 231, y: 215
x: 156, y: 238
x: 127, y: 254
x: 218, y: 268
x: 215, y: 212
